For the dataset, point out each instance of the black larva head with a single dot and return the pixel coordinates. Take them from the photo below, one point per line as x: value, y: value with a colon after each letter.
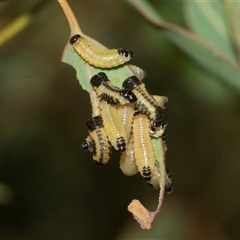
x: 131, y: 82
x: 98, y: 79
x: 129, y: 95
x: 94, y: 122
x: 74, y: 38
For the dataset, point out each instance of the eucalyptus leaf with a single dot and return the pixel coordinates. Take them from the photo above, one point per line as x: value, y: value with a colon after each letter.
x: 207, y: 55
x: 208, y: 20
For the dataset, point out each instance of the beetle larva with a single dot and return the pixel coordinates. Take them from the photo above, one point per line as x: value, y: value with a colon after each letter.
x: 99, y: 57
x: 106, y: 91
x: 97, y: 142
x: 146, y: 104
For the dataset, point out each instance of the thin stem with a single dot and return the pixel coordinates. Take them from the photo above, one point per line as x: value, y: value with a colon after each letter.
x: 72, y: 21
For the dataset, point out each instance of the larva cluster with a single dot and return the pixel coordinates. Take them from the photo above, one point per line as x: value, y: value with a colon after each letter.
x: 129, y: 118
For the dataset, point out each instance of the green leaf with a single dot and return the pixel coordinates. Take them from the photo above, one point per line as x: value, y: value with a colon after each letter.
x: 208, y: 20
x: 207, y: 55
x: 232, y: 11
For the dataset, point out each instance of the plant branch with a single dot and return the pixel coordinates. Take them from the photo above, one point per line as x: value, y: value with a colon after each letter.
x: 72, y: 21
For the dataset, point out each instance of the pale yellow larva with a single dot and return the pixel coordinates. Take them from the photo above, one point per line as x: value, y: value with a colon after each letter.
x: 98, y: 57
x: 144, y: 153
x: 97, y: 142
x: 106, y: 91
x: 145, y: 103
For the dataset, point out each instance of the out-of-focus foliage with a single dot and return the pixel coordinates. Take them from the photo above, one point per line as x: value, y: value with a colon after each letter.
x: 50, y: 188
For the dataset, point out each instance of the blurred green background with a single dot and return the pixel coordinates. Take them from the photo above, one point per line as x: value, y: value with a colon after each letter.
x: 50, y: 188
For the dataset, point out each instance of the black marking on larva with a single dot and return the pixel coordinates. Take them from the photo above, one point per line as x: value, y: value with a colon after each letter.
x: 94, y: 150
x: 121, y: 144
x: 147, y: 179
x: 74, y: 38
x: 112, y: 88
x: 109, y: 99
x: 159, y: 116
x: 169, y: 187
x: 101, y: 143
x: 142, y: 108
x: 94, y: 123
x: 129, y: 95
x: 110, y: 149
x: 125, y: 52
x: 146, y: 171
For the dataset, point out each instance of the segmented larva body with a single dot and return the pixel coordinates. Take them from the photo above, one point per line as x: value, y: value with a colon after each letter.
x: 125, y: 113
x: 97, y: 142
x: 127, y: 160
x: 146, y: 104
x: 98, y: 57
x: 106, y: 91
x: 144, y: 153
x: 114, y: 127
